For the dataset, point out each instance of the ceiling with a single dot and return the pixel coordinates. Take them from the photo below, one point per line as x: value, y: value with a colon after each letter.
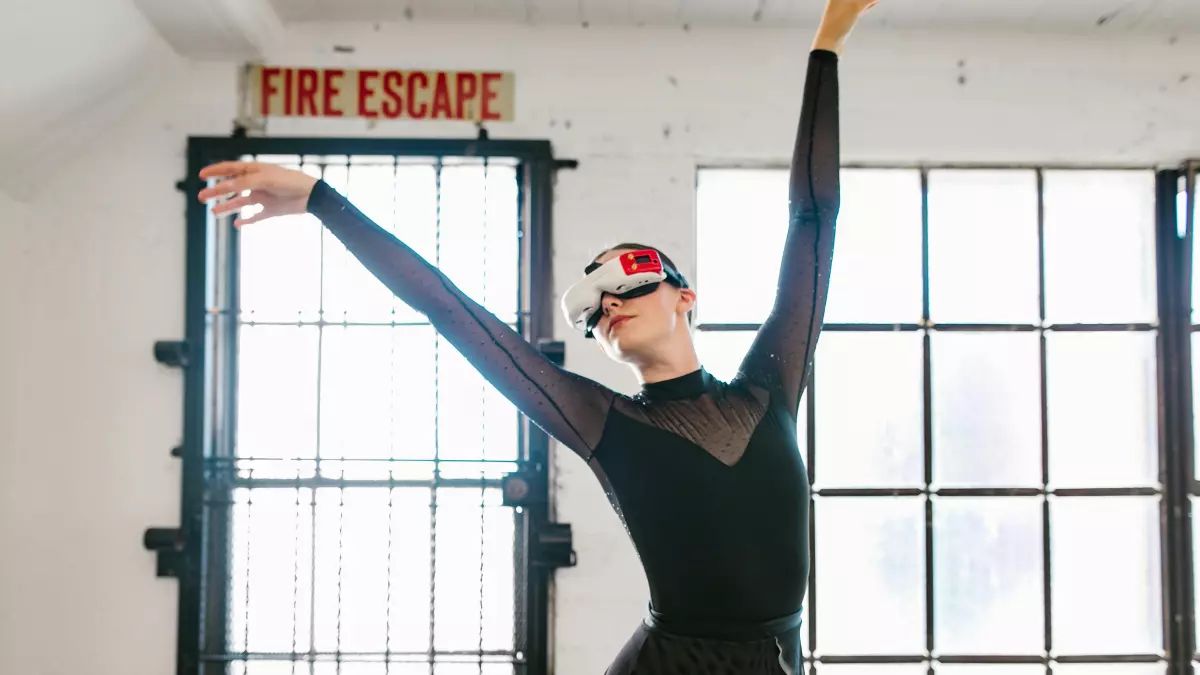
x: 1075, y: 16
x: 95, y: 58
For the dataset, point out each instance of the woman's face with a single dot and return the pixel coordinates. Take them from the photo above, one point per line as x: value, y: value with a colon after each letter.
x: 637, y: 325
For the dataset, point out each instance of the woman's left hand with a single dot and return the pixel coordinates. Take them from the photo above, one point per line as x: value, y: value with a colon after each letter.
x: 837, y: 22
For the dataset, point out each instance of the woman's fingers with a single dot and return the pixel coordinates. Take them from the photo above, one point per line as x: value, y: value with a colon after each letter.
x: 227, y: 187
x: 233, y: 205
x: 226, y: 169
x: 261, y: 215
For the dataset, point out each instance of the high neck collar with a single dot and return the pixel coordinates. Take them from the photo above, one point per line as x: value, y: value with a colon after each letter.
x: 690, y: 385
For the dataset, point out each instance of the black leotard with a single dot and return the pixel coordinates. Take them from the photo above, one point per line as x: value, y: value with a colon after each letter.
x: 706, y: 475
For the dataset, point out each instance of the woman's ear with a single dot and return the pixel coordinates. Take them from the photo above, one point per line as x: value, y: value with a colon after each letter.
x: 687, y: 299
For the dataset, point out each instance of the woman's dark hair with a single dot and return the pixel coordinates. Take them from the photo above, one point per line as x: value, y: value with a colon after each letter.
x: 636, y: 246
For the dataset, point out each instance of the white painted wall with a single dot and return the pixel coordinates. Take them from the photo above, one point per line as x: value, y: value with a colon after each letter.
x: 75, y: 70
x: 91, y: 263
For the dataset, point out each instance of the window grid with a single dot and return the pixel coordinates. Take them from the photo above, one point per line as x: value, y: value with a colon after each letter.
x: 241, y: 495
x: 1188, y: 206
x: 927, y: 328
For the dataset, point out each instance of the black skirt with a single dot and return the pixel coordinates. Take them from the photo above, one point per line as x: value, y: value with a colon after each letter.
x: 660, y: 647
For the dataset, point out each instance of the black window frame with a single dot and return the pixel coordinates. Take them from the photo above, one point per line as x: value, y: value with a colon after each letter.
x: 1174, y: 392
x: 184, y: 552
x: 194, y: 552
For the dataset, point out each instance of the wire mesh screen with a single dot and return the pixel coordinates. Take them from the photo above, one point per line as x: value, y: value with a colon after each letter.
x: 357, y: 509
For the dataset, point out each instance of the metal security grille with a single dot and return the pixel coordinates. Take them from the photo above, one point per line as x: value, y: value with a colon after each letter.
x: 983, y: 422
x: 344, y: 464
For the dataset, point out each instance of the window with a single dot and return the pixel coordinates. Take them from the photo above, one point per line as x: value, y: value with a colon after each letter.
x: 1188, y: 213
x: 344, y: 465
x: 982, y: 420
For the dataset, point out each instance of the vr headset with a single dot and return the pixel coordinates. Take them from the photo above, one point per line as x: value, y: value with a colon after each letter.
x: 632, y: 274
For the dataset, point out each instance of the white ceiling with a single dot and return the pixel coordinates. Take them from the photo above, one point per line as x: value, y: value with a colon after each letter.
x: 1075, y: 16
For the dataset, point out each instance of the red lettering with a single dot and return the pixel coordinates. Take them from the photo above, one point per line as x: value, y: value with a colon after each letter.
x: 307, y: 78
x: 413, y: 111
x: 393, y: 106
x: 331, y: 92
x: 489, y: 95
x: 288, y: 76
x: 441, y: 97
x: 268, y: 89
x: 467, y: 86
x: 365, y: 91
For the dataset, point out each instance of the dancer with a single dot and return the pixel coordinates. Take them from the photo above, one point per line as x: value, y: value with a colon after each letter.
x: 706, y: 475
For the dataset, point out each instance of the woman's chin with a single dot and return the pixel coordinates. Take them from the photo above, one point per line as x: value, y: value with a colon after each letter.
x: 624, y: 346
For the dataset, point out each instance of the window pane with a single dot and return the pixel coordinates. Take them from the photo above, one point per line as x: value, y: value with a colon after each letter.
x: 462, y: 665
x: 257, y: 667
x: 408, y: 622
x: 372, y: 542
x: 869, y: 405
x: 741, y: 215
x: 473, y: 421
x: 1181, y: 209
x: 983, y: 248
x: 471, y: 533
x: 990, y: 669
x: 877, y: 268
x: 277, y: 392
x: 351, y: 569
x: 1102, y: 408
x: 721, y: 352
x: 416, y: 207
x: 882, y: 565
x: 279, y: 276
x: 1196, y: 405
x: 349, y: 291
x: 470, y: 231
x: 1100, y: 252
x: 378, y: 388
x: 1106, y: 575
x: 988, y: 575
x: 479, y: 223
x: 1110, y: 669
x: 270, y: 578
x: 987, y: 428
x: 871, y: 669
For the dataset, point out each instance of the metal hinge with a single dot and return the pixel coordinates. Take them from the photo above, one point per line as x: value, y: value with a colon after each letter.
x: 174, y: 353
x: 168, y: 543
x: 552, y: 542
x: 552, y: 546
x: 554, y: 350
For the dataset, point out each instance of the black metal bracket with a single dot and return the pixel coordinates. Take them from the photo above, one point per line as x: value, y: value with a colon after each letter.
x: 554, y: 350
x: 566, y: 164
x: 169, y: 545
x: 174, y: 353
x: 552, y: 546
x: 517, y: 488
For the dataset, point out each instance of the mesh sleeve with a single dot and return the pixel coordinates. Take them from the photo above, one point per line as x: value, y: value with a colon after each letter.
x: 569, y: 407
x: 781, y: 353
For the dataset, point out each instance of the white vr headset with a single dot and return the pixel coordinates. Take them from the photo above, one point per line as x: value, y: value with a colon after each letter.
x: 630, y: 275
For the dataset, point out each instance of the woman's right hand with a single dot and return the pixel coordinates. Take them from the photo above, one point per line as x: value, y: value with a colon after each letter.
x: 837, y: 22
x: 279, y: 191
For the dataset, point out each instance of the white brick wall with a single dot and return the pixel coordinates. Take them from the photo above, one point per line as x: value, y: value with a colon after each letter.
x: 92, y: 266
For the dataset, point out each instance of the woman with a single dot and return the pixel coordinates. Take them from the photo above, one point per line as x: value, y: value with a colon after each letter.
x: 706, y: 475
